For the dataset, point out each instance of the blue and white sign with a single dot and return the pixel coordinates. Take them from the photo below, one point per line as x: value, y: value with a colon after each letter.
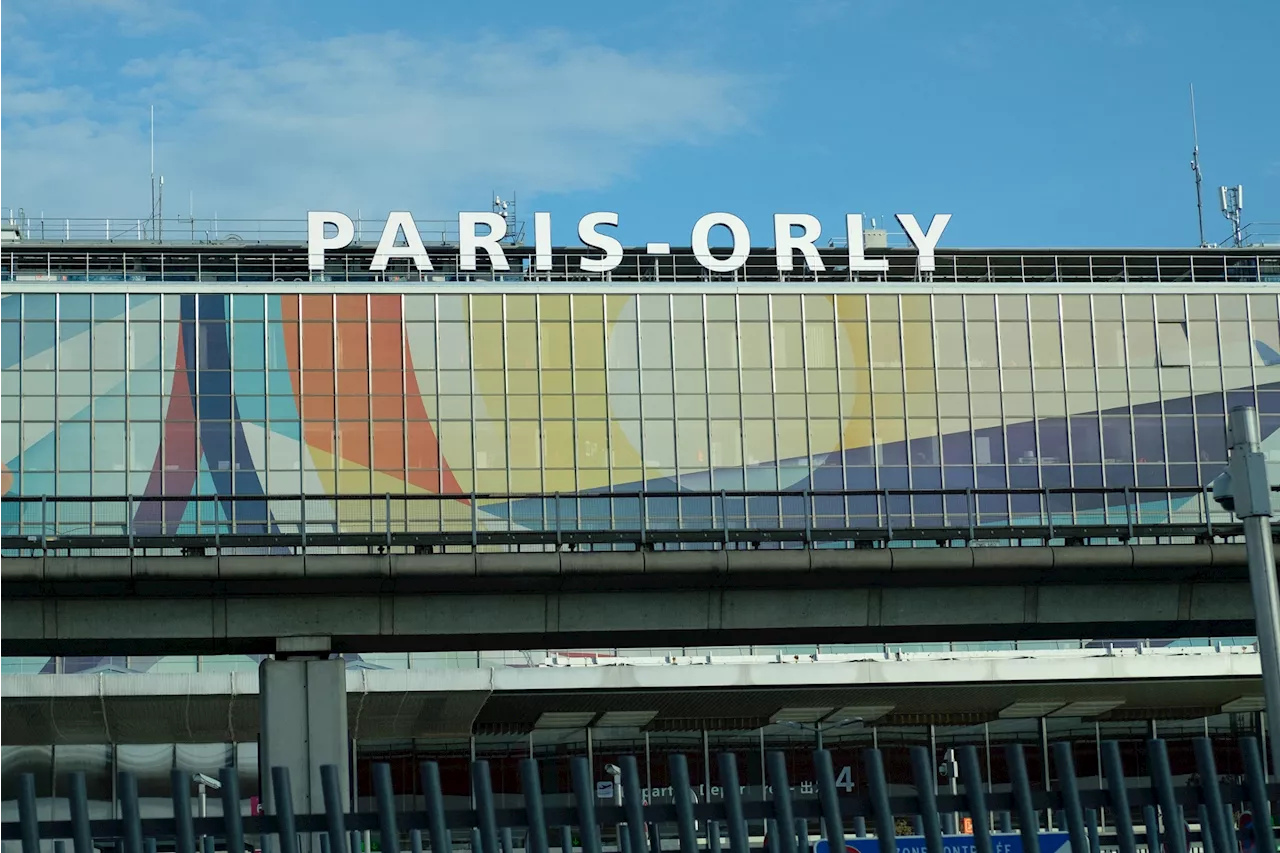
x: 1050, y: 842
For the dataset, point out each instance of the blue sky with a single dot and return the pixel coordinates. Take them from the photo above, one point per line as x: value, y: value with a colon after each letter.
x: 1033, y: 123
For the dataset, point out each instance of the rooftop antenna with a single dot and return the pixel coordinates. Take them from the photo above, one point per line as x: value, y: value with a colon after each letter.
x: 1195, y: 165
x: 153, y: 167
x: 1232, y: 200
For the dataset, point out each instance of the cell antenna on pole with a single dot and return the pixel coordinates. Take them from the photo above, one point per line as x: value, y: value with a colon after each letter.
x: 1195, y: 165
x: 153, y: 167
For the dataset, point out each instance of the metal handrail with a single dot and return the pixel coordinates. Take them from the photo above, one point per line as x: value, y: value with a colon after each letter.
x: 643, y: 825
x: 645, y: 519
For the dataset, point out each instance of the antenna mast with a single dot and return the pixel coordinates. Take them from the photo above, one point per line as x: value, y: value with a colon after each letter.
x: 1195, y: 165
x: 153, y: 168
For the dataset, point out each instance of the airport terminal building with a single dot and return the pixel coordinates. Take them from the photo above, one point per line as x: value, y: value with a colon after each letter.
x: 210, y: 385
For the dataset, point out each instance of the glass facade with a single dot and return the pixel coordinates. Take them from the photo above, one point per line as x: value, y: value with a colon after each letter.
x: 591, y: 388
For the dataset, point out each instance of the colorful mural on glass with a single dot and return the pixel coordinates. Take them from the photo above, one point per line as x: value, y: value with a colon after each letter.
x: 261, y: 393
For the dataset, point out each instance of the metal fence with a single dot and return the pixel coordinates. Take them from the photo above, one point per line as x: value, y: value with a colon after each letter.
x: 1166, y: 812
x: 246, y: 259
x: 844, y: 518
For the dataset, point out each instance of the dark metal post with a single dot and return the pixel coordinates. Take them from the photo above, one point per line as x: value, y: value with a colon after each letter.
x: 1252, y: 496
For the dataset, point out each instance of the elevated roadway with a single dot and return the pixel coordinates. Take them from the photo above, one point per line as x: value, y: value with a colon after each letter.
x: 56, y: 604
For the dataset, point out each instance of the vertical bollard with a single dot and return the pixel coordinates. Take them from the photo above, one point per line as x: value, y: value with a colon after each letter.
x: 476, y: 843
x: 1162, y: 780
x: 971, y: 776
x: 584, y: 795
x: 825, y: 775
x: 536, y: 840
x: 713, y: 836
x: 388, y: 832
x: 1006, y: 823
x: 441, y: 840
x: 1223, y: 836
x: 27, y: 815
x: 772, y: 845
x: 1206, y: 835
x: 880, y: 802
x: 1091, y: 824
x: 1119, y: 796
x: 782, y: 810
x: 682, y: 793
x: 860, y: 826
x: 924, y: 773
x: 566, y: 839
x: 1152, y: 823
x: 415, y: 841
x: 128, y: 788
x: 286, y: 827
x: 184, y: 839
x: 486, y: 818
x: 334, y: 813
x: 1255, y: 782
x: 802, y: 835
x: 1028, y: 821
x: 207, y: 846
x: 733, y: 803
x: 82, y: 840
x: 231, y: 808
x: 505, y: 835
x: 1066, y: 767
x: 633, y: 802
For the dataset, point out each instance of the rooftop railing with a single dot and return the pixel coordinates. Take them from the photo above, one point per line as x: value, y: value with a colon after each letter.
x: 649, y: 519
x: 35, y: 264
x: 693, y: 824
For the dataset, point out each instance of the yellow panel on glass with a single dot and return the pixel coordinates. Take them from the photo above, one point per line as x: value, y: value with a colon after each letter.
x: 883, y: 306
x: 520, y: 307
x: 692, y: 445
x: 525, y: 444
x: 886, y: 344
x: 588, y: 345
x: 722, y: 345
x: 889, y: 404
x: 822, y: 381
x: 558, y: 443
x: 788, y: 345
x: 1048, y: 379
x: 1044, y: 307
x: 486, y: 307
x: 491, y: 444
x: 492, y: 482
x: 557, y: 382
x: 588, y: 306
x: 721, y: 307
x: 823, y: 405
x: 593, y: 444
x: 691, y: 406
x: 526, y: 481
x: 724, y: 405
x: 757, y: 405
x: 824, y: 435
x: 487, y: 346
x: 624, y: 440
x: 785, y: 307
x: 819, y: 307
x: 726, y: 443
x: 627, y: 477
x: 1050, y: 405
x: 522, y: 346
x: 758, y: 442
x: 753, y: 308
x: 555, y: 345
x: 690, y: 381
x: 915, y: 307
x: 522, y: 382
x: 563, y: 480
x: 617, y: 304
x: 553, y: 306
x: 753, y: 345
x: 591, y: 406
x: 792, y: 438
x: 557, y: 406
x: 1016, y: 380
x: 888, y: 430
x: 589, y: 381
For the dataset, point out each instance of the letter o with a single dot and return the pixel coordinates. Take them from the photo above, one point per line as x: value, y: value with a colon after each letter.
x: 741, y: 242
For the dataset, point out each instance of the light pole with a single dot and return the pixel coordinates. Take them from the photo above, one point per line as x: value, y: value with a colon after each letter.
x: 1245, y: 490
x: 203, y: 784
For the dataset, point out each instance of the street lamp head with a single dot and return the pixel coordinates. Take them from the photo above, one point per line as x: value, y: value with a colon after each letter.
x: 1220, y: 487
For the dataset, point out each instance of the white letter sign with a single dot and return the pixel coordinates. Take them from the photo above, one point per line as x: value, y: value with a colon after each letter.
x: 397, y: 221
x: 741, y: 242
x: 317, y: 242
x: 469, y: 242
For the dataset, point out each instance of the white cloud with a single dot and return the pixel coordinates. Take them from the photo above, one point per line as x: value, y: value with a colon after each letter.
x: 273, y: 125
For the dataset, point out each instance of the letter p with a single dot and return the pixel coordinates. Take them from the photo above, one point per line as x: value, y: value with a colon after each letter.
x: 317, y: 243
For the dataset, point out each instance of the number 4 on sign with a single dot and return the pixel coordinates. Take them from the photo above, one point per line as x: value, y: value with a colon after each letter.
x: 845, y: 779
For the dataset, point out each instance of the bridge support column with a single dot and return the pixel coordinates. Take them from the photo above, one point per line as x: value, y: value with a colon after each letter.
x: 303, y: 716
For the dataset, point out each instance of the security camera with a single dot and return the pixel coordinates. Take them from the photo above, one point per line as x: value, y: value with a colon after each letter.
x: 207, y: 781
x: 613, y: 770
x: 1220, y: 487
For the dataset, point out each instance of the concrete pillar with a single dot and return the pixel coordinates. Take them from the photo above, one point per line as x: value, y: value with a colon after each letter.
x: 303, y: 716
